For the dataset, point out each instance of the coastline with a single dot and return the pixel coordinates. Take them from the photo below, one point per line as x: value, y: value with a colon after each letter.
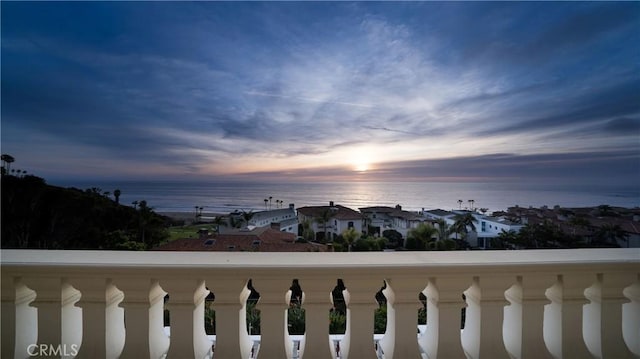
x: 188, y: 216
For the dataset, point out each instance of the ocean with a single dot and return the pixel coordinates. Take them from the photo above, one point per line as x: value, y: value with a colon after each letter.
x: 225, y: 197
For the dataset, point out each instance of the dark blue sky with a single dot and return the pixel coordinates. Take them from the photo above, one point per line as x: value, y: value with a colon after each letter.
x: 332, y: 90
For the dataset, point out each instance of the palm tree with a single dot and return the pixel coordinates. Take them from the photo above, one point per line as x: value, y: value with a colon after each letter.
x: 265, y: 204
x: 420, y: 237
x: 270, y: 202
x: 7, y: 160
x: 350, y: 236
x: 460, y: 204
x: 307, y: 231
x: 246, y: 216
x: 324, y: 218
x: 135, y: 204
x: 471, y: 202
x: 116, y: 194
x: 443, y: 229
x: 462, y: 224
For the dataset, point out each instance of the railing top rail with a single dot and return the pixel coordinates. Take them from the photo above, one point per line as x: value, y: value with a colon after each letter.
x: 230, y: 260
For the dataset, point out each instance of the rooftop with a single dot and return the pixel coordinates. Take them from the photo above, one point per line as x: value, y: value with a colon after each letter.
x: 257, y: 239
x: 339, y: 212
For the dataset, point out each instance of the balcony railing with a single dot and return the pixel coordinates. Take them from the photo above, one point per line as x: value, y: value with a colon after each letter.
x: 519, y: 304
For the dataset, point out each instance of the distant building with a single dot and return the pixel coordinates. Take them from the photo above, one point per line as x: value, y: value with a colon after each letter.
x: 585, y: 222
x: 284, y: 219
x: 491, y: 227
x: 251, y: 239
x: 339, y: 219
x: 439, y: 214
x: 384, y: 218
x: 487, y: 227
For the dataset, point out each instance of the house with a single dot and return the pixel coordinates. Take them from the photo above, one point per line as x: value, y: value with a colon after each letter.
x: 383, y: 218
x: 490, y: 227
x: 439, y: 214
x: 284, y: 219
x: 338, y: 219
x: 250, y: 239
x: 487, y: 227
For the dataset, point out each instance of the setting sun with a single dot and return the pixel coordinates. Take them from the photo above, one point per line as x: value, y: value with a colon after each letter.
x: 360, y: 161
x: 361, y: 167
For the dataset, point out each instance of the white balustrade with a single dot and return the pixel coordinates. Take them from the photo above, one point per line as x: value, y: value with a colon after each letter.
x: 519, y: 304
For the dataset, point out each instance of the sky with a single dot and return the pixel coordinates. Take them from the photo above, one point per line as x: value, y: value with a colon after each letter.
x: 397, y: 91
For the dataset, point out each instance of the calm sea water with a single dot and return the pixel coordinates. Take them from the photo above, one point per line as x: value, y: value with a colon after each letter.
x: 224, y: 197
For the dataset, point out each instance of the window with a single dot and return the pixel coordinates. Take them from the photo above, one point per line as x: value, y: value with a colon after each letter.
x: 350, y: 225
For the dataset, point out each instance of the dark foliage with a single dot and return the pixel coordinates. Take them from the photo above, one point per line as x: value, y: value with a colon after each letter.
x: 37, y: 215
x: 393, y: 237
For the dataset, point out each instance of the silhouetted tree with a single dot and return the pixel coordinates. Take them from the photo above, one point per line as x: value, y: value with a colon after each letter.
x: 609, y: 234
x: 247, y: 216
x: 419, y: 237
x: 350, y: 236
x: 36, y: 215
x: 7, y: 160
x: 325, y: 217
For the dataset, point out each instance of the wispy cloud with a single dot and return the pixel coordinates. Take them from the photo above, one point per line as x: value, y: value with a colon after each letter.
x: 298, y: 85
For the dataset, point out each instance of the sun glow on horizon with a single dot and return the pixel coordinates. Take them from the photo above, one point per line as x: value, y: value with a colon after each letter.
x: 361, y: 167
x: 360, y: 161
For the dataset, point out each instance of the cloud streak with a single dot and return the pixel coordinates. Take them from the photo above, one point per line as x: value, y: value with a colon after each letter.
x: 293, y: 86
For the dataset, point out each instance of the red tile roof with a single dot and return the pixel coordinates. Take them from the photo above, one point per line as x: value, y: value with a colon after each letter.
x: 262, y: 239
x: 339, y: 212
x: 393, y: 212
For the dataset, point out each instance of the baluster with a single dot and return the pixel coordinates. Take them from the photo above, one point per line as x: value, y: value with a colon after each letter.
x: 232, y: 340
x: 143, y: 305
x: 631, y: 317
x: 317, y: 301
x: 444, y: 315
x: 49, y: 306
x: 606, y: 324
x: 273, y: 304
x: 116, y: 333
x: 186, y: 308
x: 58, y: 321
x: 8, y: 325
x: 529, y: 319
x: 563, y: 317
x: 102, y: 336
x: 18, y: 318
x: 402, y: 297
x: 361, y: 305
x: 482, y: 337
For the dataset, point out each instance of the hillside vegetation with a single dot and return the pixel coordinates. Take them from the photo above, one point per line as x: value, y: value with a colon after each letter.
x: 38, y: 215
